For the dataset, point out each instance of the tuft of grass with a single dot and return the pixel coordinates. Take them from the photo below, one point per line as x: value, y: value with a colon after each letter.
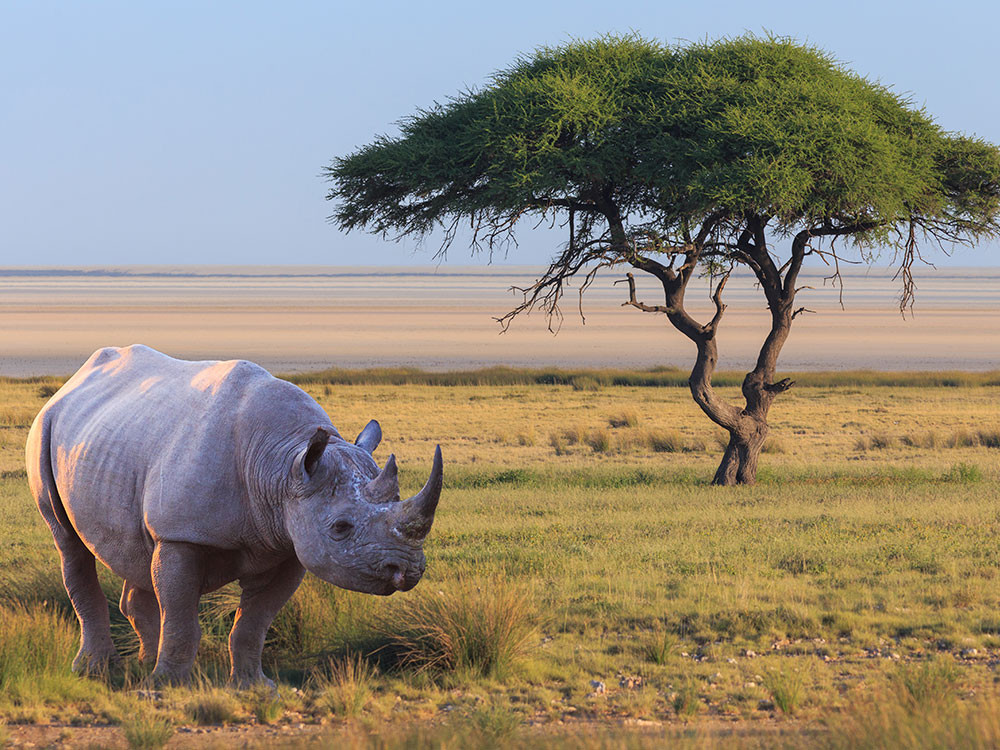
x: 664, y: 441
x: 147, y: 730
x: 989, y: 438
x: 212, y: 706
x: 574, y: 434
x: 599, y: 440
x: 495, y: 723
x: 47, y: 390
x: 526, y: 439
x: 920, y: 710
x: 347, y: 686
x: 477, y: 628
x: 37, y: 646
x: 875, y: 441
x: 686, y: 701
x: 926, y: 685
x: 559, y: 444
x: 627, y: 418
x: 585, y: 383
x: 661, y: 646
x: 963, y: 439
x: 963, y: 474
x: 786, y: 688
x: 265, y: 705
x: 775, y: 445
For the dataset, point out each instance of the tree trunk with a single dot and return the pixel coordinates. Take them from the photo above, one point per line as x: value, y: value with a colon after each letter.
x: 739, y: 462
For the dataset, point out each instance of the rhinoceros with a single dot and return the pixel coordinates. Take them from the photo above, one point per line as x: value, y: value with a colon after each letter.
x: 184, y: 476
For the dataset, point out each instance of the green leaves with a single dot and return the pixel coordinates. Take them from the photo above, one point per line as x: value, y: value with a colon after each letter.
x: 669, y: 135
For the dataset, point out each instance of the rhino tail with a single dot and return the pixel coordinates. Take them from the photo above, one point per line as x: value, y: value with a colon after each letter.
x: 41, y: 478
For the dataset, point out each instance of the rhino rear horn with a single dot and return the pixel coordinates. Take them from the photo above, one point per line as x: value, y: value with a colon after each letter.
x: 415, y: 515
x: 369, y: 437
x: 385, y: 487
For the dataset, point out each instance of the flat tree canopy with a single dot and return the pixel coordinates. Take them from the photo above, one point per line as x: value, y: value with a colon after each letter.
x: 752, y: 152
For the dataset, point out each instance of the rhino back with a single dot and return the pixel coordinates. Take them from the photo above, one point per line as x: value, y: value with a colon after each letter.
x: 146, y: 447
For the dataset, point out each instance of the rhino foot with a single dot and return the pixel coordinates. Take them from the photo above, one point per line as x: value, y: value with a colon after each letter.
x: 168, y: 677
x: 95, y: 664
x: 243, y: 681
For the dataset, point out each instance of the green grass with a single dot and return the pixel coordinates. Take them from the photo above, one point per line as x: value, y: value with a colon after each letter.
x: 552, y: 565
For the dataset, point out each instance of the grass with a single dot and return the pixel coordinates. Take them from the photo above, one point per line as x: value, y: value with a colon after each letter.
x: 346, y: 686
x: 473, y: 628
x: 147, y: 731
x: 552, y: 564
x: 786, y: 689
x: 210, y: 706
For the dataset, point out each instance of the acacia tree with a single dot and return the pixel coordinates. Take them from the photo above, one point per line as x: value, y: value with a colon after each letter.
x: 680, y: 161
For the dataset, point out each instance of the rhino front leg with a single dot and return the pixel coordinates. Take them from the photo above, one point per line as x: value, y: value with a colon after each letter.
x: 178, y: 571
x: 141, y: 609
x: 262, y: 597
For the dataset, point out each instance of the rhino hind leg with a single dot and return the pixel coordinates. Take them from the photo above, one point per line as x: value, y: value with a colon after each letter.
x: 143, y: 612
x: 178, y: 571
x: 260, y: 601
x: 79, y: 573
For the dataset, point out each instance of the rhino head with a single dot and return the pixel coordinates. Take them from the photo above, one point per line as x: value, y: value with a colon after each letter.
x: 346, y: 520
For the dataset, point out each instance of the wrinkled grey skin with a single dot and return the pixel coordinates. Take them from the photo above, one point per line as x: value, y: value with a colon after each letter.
x: 184, y: 476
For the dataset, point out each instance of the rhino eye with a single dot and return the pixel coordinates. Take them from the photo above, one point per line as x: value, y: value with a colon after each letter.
x: 342, y: 528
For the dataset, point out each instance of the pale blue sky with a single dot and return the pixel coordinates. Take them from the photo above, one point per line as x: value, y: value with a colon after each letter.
x: 195, y: 132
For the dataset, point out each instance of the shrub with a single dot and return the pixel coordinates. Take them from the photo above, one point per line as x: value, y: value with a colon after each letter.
x: 347, y: 686
x: 476, y: 627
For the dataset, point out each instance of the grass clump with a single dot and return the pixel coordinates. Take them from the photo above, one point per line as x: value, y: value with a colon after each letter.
x: 265, y: 705
x: 599, y: 440
x: 786, y: 688
x: 585, y: 383
x: 212, y: 706
x: 346, y: 686
x: 627, y: 418
x: 685, y: 701
x: 926, y: 685
x: 37, y: 645
x: 775, y: 445
x: 661, y: 646
x: 147, y: 730
x: 474, y: 628
x: 665, y: 441
x: 963, y: 474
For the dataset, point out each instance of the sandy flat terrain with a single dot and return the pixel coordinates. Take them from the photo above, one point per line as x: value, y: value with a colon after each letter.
x: 293, y: 319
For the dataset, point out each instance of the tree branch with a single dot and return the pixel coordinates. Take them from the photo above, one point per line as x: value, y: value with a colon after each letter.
x: 639, y: 305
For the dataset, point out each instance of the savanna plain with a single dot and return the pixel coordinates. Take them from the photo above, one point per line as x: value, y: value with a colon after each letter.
x: 586, y: 586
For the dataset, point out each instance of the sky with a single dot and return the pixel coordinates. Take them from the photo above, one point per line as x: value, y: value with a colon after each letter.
x: 196, y: 132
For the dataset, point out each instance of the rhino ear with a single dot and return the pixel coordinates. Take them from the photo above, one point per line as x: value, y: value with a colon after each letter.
x: 309, y: 458
x: 370, y: 437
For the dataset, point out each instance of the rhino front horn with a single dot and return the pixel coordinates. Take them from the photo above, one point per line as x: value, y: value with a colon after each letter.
x: 415, y: 515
